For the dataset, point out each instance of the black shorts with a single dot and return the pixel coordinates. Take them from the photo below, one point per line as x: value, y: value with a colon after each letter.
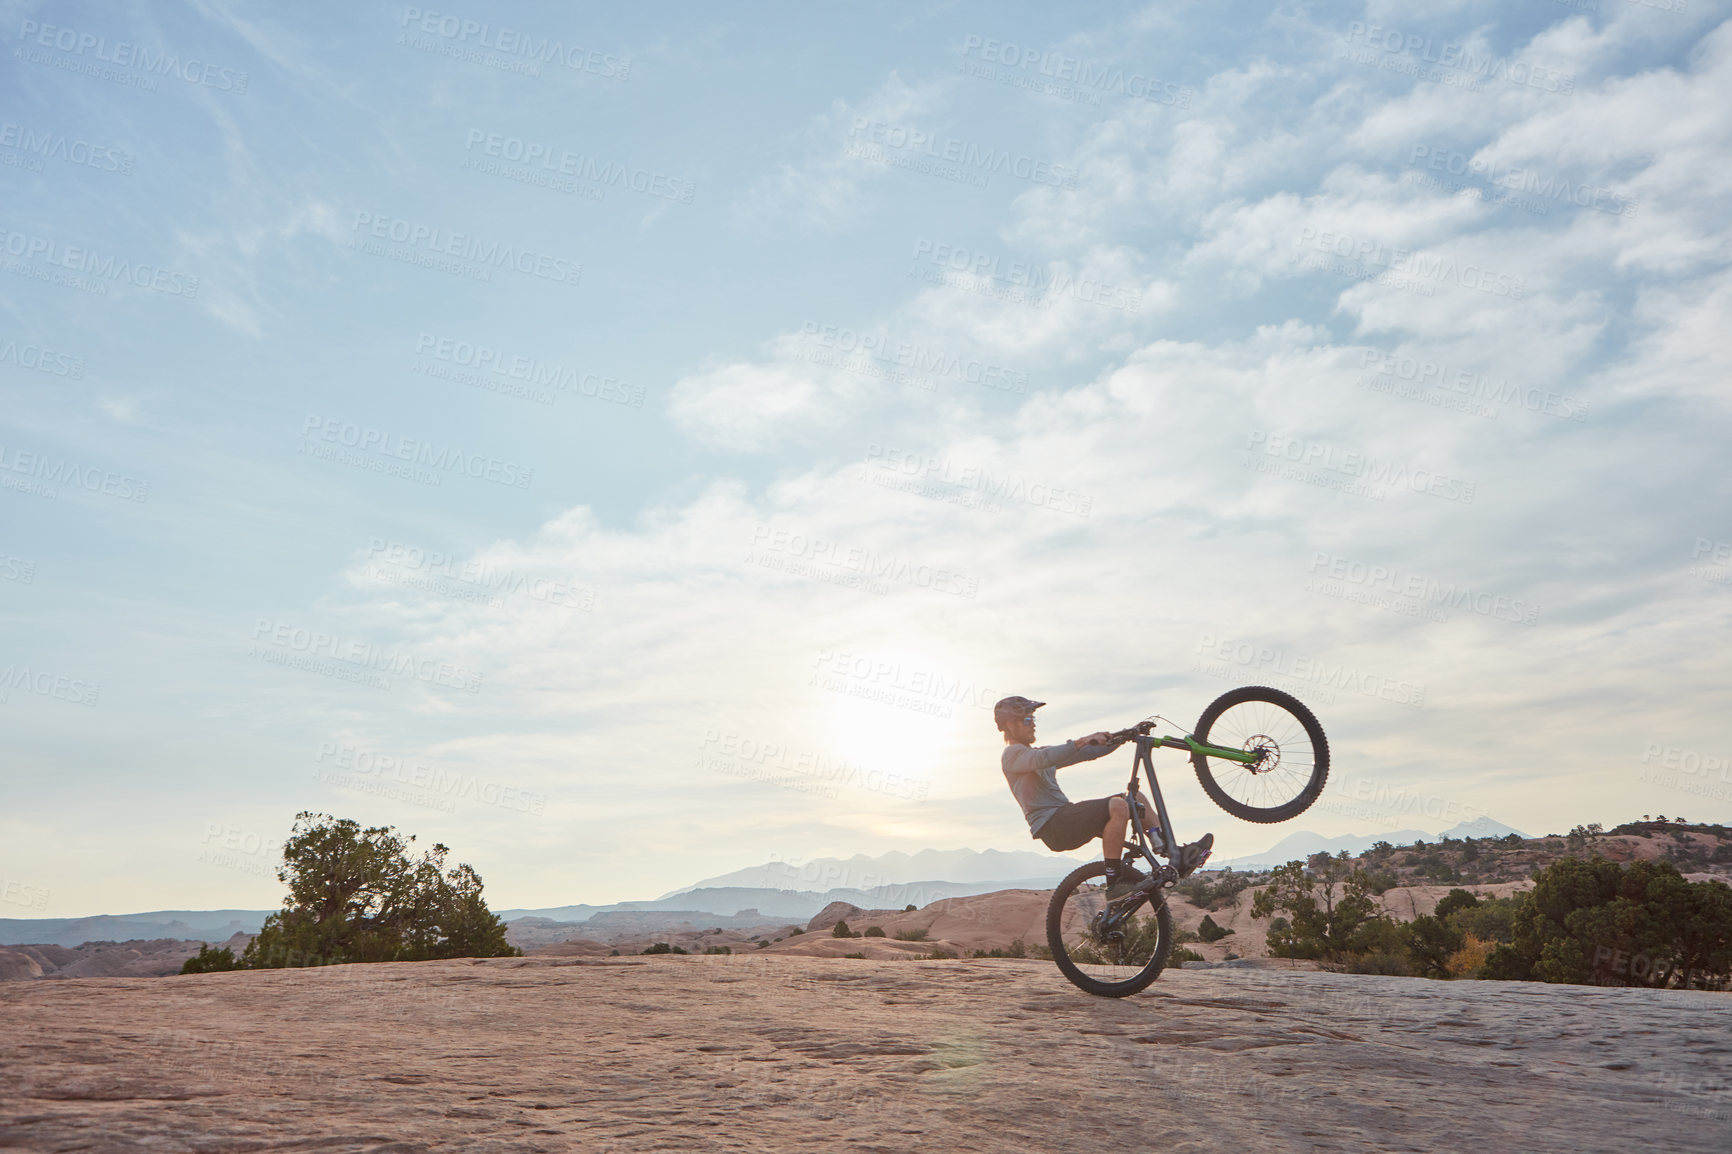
x: 1075, y: 825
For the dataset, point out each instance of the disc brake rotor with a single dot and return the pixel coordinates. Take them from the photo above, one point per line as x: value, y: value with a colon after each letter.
x: 1267, y: 751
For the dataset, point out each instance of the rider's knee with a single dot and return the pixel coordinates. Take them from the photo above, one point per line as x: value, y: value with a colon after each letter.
x: 1118, y: 809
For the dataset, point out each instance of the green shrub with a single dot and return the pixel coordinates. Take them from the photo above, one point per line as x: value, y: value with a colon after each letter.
x: 209, y: 961
x: 1381, y: 881
x: 911, y: 935
x: 1181, y: 955
x: 1210, y: 931
x: 1223, y: 890
x: 663, y: 948
x: 762, y: 943
x: 854, y: 955
x: 1454, y: 900
x: 874, y: 931
x: 718, y: 949
x: 841, y: 930
x: 909, y: 908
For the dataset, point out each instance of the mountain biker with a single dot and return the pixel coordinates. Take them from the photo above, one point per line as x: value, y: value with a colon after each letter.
x: 1064, y: 824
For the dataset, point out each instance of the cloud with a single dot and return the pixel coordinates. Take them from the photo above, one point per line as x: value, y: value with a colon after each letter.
x: 824, y: 188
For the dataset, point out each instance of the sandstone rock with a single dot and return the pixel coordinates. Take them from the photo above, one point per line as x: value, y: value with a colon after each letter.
x: 776, y: 1053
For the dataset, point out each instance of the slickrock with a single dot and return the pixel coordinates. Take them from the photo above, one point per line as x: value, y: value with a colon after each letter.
x: 786, y: 1053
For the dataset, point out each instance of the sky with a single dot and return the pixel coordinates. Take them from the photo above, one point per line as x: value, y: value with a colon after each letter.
x: 630, y: 443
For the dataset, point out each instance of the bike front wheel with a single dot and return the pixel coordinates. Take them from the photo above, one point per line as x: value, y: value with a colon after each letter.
x: 1294, y: 754
x: 1098, y: 950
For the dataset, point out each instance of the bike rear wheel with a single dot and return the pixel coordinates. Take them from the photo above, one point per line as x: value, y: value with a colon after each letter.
x: 1296, y: 754
x: 1099, y: 952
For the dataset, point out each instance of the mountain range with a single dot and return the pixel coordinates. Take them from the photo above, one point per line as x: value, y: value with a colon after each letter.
x: 774, y: 891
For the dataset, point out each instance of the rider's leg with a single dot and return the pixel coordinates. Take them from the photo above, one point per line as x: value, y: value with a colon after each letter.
x: 1113, y: 833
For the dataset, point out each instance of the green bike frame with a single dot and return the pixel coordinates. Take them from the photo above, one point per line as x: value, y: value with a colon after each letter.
x: 1145, y: 745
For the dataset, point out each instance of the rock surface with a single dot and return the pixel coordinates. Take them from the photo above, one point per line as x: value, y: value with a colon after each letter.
x: 785, y: 1053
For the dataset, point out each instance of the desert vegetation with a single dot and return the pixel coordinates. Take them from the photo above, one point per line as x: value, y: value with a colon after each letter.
x: 1587, y: 920
x: 356, y: 895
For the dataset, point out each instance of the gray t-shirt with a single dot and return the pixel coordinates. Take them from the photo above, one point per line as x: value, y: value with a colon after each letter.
x: 1033, y: 775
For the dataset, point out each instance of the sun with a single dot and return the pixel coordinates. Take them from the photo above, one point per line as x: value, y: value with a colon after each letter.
x: 890, y: 737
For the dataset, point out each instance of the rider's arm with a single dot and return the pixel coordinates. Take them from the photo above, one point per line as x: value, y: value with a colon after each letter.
x: 1071, y: 752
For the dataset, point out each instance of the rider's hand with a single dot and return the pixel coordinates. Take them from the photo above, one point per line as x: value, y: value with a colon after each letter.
x: 1101, y: 738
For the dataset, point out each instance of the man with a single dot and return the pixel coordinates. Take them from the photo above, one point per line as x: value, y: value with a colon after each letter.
x: 1064, y: 824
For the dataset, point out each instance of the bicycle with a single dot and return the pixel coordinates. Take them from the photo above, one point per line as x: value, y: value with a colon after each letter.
x: 1260, y: 755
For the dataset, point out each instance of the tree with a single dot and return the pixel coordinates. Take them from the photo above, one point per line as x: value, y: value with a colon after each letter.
x: 1457, y: 899
x: 355, y: 895
x: 1332, y: 913
x: 1432, y: 941
x: 1602, y: 923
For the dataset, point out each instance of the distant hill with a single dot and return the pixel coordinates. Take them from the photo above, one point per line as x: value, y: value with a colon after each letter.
x: 722, y: 904
x: 1301, y: 845
x: 195, y: 925
x: 893, y: 868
